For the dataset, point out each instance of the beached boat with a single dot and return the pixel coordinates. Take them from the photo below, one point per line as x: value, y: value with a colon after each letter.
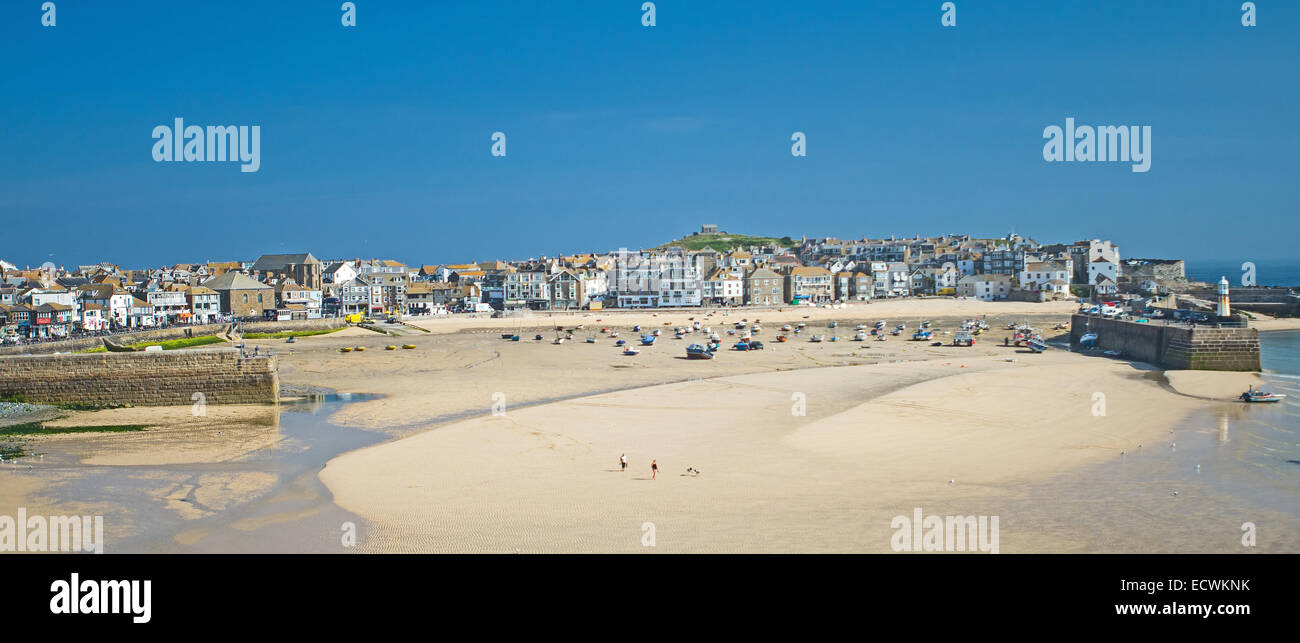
x: 963, y: 338
x: 860, y: 336
x: 507, y: 335
x: 1036, y: 344
x: 781, y: 338
x: 631, y: 351
x: 741, y: 346
x: 696, y: 351
x: 832, y: 324
x: 1089, y: 340
x: 655, y: 332
x: 786, y: 328
x: 922, y: 334
x: 1258, y: 396
x: 817, y: 338
x: 620, y: 342
x: 591, y: 339
x: 647, y: 340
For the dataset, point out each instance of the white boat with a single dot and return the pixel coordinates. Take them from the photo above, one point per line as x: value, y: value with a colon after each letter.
x: 1257, y: 396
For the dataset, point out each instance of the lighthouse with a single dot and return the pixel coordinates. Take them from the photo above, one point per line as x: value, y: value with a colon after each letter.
x: 1225, y: 310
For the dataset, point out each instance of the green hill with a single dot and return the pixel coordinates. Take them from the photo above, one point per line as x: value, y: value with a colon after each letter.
x: 724, y: 242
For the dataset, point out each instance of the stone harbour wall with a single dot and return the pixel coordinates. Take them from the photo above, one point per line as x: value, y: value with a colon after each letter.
x: 158, y: 378
x: 1173, y: 347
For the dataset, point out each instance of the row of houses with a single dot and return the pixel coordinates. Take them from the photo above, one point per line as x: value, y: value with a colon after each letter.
x: 54, y: 302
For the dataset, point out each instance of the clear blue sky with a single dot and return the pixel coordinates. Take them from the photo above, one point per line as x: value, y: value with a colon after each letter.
x: 375, y: 139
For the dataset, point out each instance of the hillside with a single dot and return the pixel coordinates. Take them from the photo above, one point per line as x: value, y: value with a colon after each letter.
x: 723, y: 242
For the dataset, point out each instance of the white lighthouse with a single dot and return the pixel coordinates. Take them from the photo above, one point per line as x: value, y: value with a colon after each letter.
x: 1225, y: 310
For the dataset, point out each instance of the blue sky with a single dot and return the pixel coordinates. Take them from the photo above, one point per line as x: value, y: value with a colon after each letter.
x: 375, y: 139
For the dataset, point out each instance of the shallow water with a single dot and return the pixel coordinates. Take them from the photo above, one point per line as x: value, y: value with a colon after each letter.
x: 269, y: 500
x: 1235, y: 463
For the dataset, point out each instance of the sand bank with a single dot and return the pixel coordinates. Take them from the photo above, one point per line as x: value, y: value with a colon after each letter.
x: 808, y: 460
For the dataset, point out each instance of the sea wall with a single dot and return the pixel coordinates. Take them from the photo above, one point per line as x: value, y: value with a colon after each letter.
x: 171, y: 332
x: 1173, y: 347
x: 158, y: 378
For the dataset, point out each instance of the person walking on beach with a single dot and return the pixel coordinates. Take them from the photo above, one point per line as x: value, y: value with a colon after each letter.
x: 622, y: 462
x: 654, y: 469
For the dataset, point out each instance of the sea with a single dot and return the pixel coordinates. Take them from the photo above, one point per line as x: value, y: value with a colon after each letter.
x: 1268, y: 272
x: 1224, y: 480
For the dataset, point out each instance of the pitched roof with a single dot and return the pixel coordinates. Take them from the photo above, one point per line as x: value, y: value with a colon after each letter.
x: 234, y: 281
x: 277, y: 262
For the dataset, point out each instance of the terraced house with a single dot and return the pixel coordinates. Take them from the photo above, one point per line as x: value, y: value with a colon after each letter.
x: 809, y: 284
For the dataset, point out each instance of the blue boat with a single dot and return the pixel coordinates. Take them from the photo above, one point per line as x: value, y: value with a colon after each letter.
x: 741, y: 346
x: 647, y: 340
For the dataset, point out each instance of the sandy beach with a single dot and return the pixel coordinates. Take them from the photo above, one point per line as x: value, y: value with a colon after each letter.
x: 488, y: 445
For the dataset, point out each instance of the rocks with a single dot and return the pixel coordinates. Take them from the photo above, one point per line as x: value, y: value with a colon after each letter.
x: 10, y: 410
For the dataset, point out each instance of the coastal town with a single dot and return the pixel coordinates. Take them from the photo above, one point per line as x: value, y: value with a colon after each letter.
x: 709, y: 268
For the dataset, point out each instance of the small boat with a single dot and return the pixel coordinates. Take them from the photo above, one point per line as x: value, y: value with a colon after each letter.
x: 620, y: 342
x: 345, y: 349
x: 781, y: 338
x: 390, y: 347
x: 636, y: 329
x: 507, y: 335
x: 647, y: 340
x: 860, y: 336
x: 786, y: 328
x: 817, y: 338
x: 614, y: 334
x: 832, y: 324
x: 1037, y: 345
x: 1253, y: 395
x: 741, y: 346
x: 901, y: 327
x: 800, y: 325
x: 925, y: 324
x: 514, y: 338
x: 408, y: 346
x: 559, y: 340
x: 631, y: 351
x: 835, y: 338
x: 591, y: 339
x: 537, y: 337
x: 696, y: 351
x: 291, y: 340
x: 655, y: 332
x: 1088, y: 340
x: 922, y: 334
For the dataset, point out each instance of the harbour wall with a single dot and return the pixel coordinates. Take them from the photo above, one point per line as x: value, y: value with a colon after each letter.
x: 158, y: 378
x: 171, y: 332
x: 1173, y: 347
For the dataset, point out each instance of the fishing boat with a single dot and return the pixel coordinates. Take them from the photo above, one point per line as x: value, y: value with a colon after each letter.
x: 1253, y: 395
x: 647, y: 340
x: 696, y: 351
x: 631, y: 351
x: 1036, y: 344
x: 114, y: 347
x: 922, y: 334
